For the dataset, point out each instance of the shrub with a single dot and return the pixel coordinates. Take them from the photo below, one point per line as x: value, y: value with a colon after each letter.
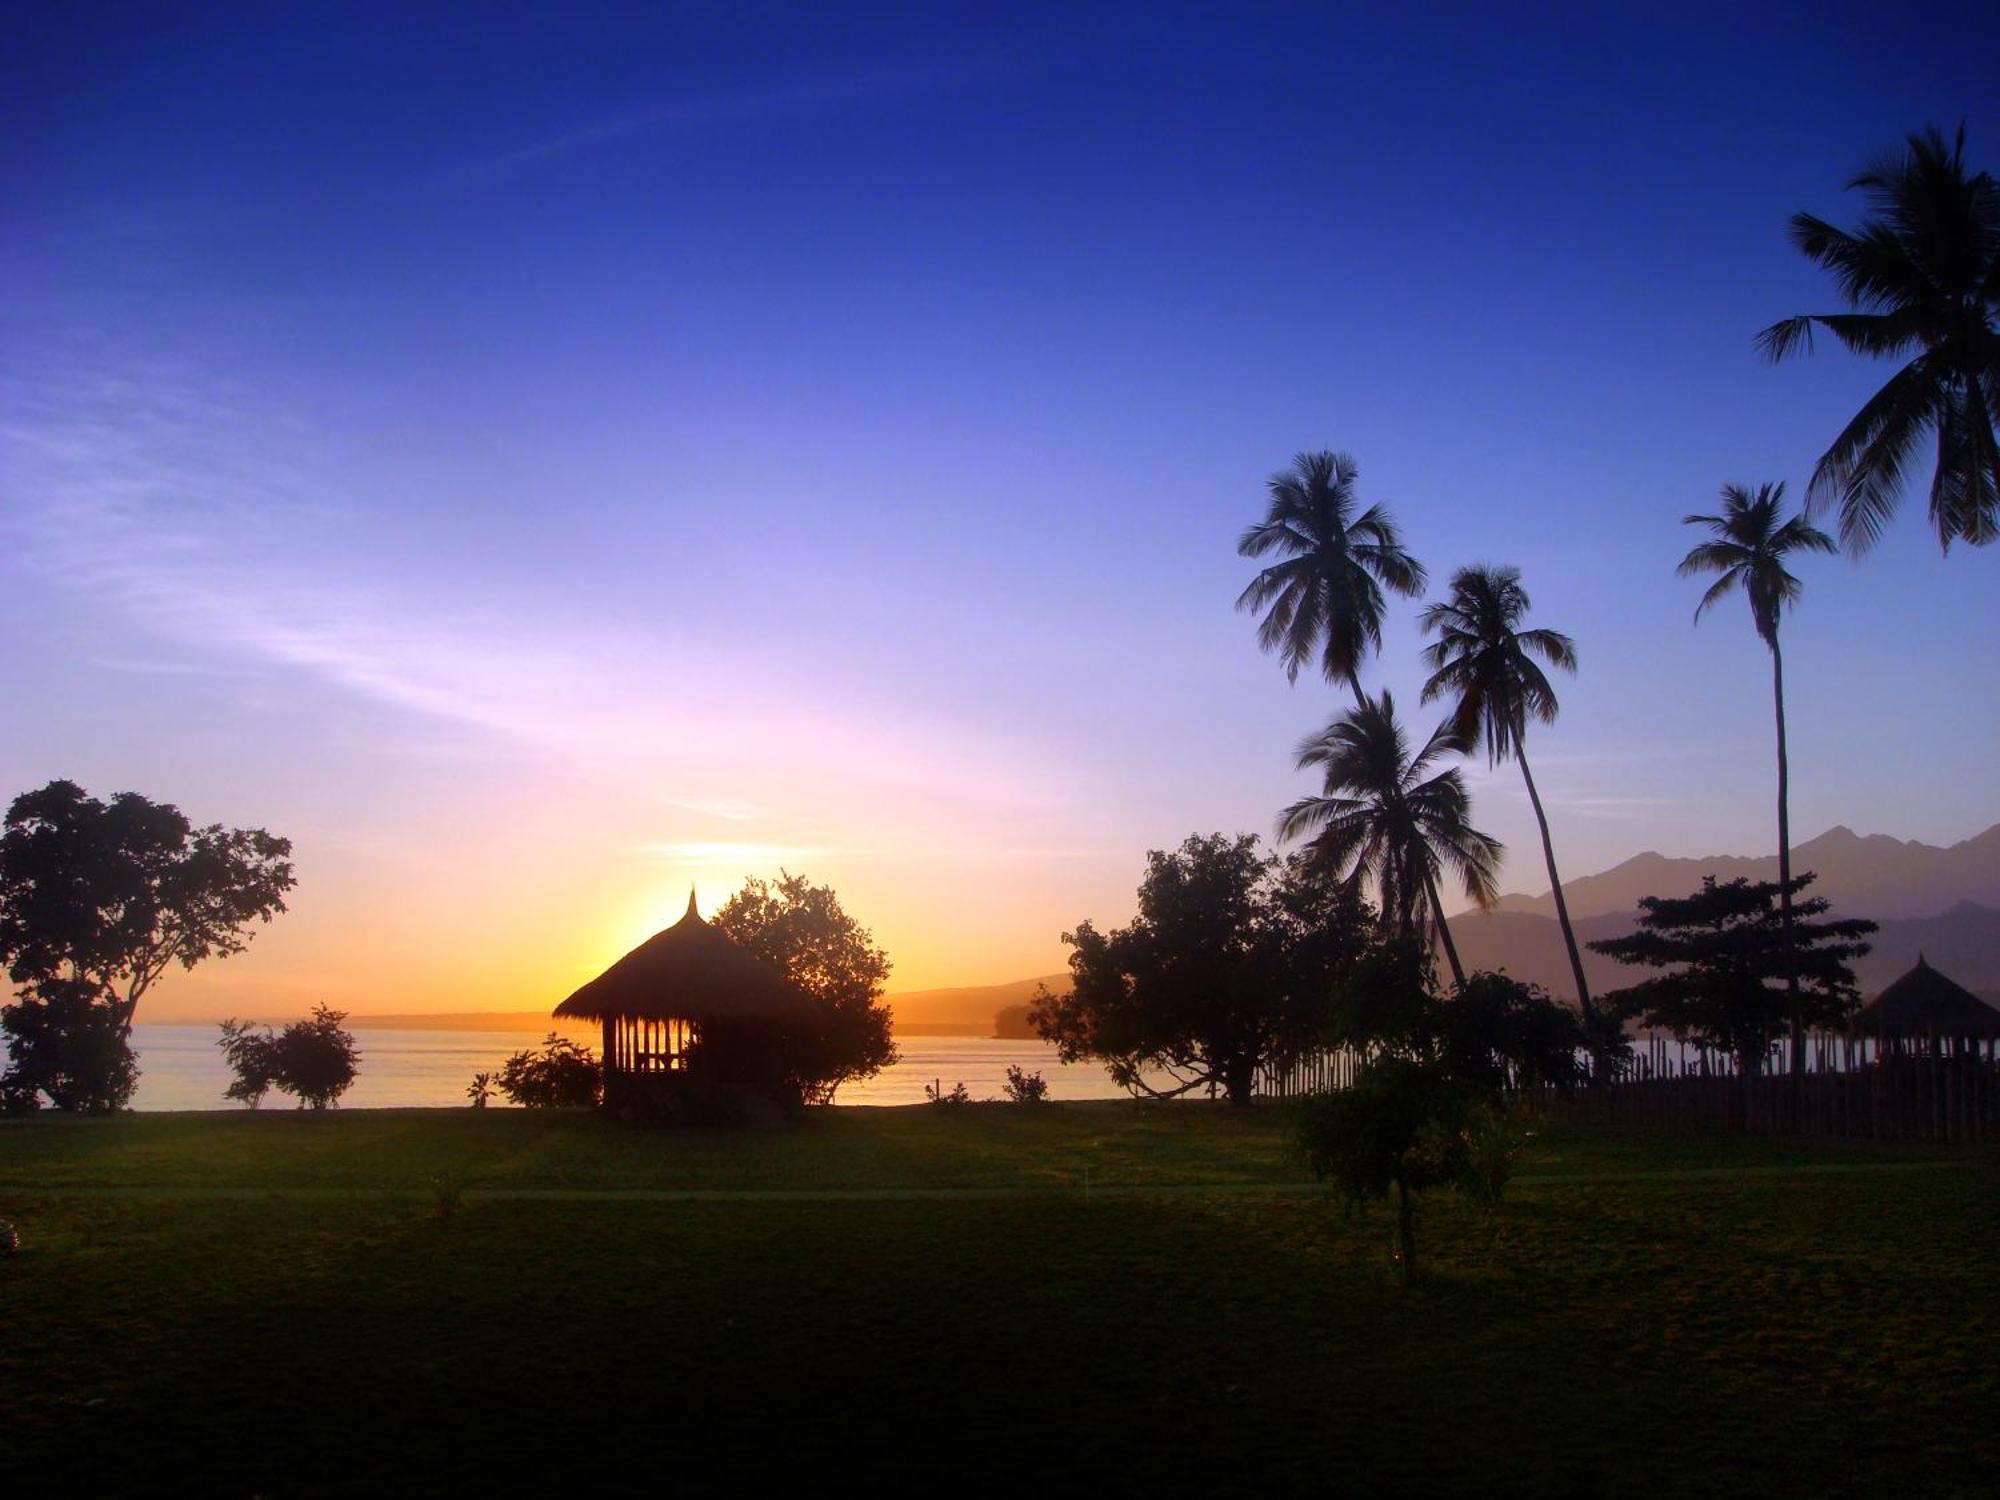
x: 480, y: 1089
x: 1405, y: 1126
x: 314, y: 1060
x: 1024, y: 1087
x: 562, y: 1075
x: 945, y: 1098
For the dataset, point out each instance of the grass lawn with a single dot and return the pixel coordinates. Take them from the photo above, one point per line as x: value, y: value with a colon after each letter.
x: 1113, y: 1297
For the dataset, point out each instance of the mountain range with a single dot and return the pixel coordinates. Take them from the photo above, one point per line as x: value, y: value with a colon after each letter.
x: 1941, y: 902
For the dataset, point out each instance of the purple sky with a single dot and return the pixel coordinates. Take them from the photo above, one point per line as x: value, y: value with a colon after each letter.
x: 536, y: 461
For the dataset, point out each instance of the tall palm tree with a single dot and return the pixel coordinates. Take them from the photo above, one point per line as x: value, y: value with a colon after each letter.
x: 1324, y: 597
x: 1385, y: 815
x: 1921, y: 274
x: 1486, y: 661
x: 1747, y: 546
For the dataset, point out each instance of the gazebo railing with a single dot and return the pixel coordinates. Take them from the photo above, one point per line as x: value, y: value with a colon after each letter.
x: 639, y: 1044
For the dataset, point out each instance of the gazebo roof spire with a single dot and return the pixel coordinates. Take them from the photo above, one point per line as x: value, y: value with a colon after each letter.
x: 693, y: 910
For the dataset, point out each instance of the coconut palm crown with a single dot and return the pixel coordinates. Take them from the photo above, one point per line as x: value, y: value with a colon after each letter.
x: 1747, y: 547
x: 1486, y: 661
x: 1323, y: 597
x: 1921, y: 275
x: 1390, y: 816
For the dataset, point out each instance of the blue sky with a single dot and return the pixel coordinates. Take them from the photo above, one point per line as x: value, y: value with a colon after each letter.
x: 538, y: 457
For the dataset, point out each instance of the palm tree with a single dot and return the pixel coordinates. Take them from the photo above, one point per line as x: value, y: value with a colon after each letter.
x: 1487, y: 662
x: 1920, y: 274
x: 1324, y: 597
x: 1381, y: 816
x: 1747, y: 546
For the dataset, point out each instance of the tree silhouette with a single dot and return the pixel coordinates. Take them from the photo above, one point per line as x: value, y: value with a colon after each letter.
x: 1324, y: 596
x: 1921, y: 275
x: 1721, y: 949
x: 1747, y: 546
x: 1386, y: 815
x: 1485, y: 662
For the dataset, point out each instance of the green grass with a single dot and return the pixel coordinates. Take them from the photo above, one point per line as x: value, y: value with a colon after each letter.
x: 272, y: 1304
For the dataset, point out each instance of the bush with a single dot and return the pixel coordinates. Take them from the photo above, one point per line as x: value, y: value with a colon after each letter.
x: 562, y: 1075
x: 1405, y: 1126
x: 945, y: 1098
x: 314, y: 1060
x: 68, y: 1042
x: 480, y: 1089
x: 1024, y: 1087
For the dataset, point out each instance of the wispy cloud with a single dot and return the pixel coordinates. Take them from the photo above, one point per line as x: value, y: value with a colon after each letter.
x: 799, y: 98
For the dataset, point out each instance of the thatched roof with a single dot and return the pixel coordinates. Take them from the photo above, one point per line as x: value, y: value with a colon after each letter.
x: 1925, y: 1003
x: 689, y: 972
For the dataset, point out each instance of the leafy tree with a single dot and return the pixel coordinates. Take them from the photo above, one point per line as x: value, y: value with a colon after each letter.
x: 316, y: 1059
x: 67, y: 1042
x: 1748, y: 544
x: 1324, y: 596
x: 1229, y: 965
x: 1407, y: 1125
x: 313, y: 1060
x: 801, y: 929
x: 562, y: 1075
x: 1921, y: 276
x: 1382, y: 817
x: 1486, y: 662
x: 1728, y: 961
x: 114, y: 893
x: 251, y: 1056
x: 1430, y: 1107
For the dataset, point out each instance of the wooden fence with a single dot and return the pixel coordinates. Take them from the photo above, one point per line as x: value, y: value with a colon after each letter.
x: 1930, y: 1089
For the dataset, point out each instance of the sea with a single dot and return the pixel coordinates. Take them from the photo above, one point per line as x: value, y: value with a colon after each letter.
x: 180, y: 1068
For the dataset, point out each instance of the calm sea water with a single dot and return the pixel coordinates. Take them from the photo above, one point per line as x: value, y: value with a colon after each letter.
x: 179, y: 1068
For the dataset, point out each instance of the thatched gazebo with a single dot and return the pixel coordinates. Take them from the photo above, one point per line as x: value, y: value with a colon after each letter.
x: 694, y: 1027
x: 1926, y: 1006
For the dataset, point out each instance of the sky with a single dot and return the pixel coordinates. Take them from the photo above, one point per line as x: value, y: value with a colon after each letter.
x: 540, y: 458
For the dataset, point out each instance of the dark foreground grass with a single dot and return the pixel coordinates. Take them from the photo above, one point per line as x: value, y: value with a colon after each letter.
x: 914, y: 1300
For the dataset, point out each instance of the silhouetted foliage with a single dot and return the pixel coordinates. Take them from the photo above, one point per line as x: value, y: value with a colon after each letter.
x: 1725, y: 952
x: 1921, y: 276
x: 947, y: 1098
x: 801, y: 929
x: 562, y: 1075
x: 1324, y: 596
x: 480, y: 1090
x: 117, y: 892
x: 252, y: 1057
x: 67, y: 1042
x: 1229, y: 965
x: 1486, y: 663
x: 1493, y: 1032
x: 97, y: 900
x: 1747, y: 546
x: 1381, y: 818
x: 1405, y: 1126
x: 313, y: 1060
x: 1023, y: 1087
x: 1014, y: 1022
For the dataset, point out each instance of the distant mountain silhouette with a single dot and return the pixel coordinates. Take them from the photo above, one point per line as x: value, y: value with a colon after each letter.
x: 1873, y: 876
x: 968, y: 1010
x: 1963, y: 942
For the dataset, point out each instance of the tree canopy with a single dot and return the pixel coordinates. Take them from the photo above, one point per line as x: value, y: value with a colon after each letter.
x: 1229, y: 965
x: 118, y: 892
x: 1723, y: 951
x: 801, y: 928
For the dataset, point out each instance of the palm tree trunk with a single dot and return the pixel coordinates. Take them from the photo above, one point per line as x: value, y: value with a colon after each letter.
x: 1444, y: 931
x: 1555, y: 883
x: 1785, y: 878
x: 1354, y: 682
